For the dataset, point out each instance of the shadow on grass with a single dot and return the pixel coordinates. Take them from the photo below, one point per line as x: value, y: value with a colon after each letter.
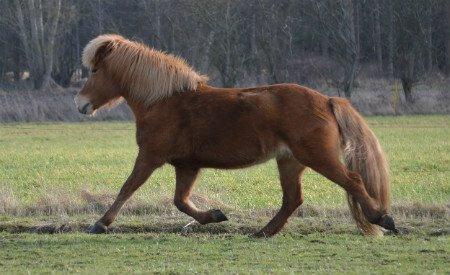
x: 296, y: 226
x: 127, y: 229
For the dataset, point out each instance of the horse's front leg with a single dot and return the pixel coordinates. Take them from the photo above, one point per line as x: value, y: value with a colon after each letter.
x: 185, y: 179
x: 143, y: 168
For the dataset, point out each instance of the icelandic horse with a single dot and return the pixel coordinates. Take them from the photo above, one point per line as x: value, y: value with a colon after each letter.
x: 182, y: 121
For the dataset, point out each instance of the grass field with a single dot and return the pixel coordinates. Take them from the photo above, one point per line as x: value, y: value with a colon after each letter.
x: 316, y: 253
x: 60, y: 177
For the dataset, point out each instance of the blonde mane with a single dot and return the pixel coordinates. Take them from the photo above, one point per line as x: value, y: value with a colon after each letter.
x: 147, y: 74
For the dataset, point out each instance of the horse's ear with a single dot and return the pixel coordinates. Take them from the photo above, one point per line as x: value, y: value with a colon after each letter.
x: 102, y: 52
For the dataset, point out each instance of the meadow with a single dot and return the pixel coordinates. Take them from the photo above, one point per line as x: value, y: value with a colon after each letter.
x: 59, y: 177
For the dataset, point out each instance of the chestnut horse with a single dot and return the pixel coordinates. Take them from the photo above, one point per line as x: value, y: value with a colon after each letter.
x: 182, y: 121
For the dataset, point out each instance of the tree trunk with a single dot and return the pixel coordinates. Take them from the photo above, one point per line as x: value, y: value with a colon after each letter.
x: 38, y: 39
x: 429, y: 46
x: 3, y: 62
x: 350, y: 79
x: 37, y: 48
x: 324, y: 46
x: 47, y: 81
x: 391, y: 43
x: 352, y: 49
x: 78, y: 47
x: 408, y: 76
x: 254, y: 50
x: 24, y: 38
x: 378, y: 44
x: 159, y: 42
x: 229, y: 72
x: 100, y: 16
x: 16, y: 68
x: 447, y: 69
x: 407, y: 85
x: 354, y: 10
x: 204, y: 65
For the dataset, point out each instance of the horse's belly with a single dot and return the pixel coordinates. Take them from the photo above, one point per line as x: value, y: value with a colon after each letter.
x: 234, y: 159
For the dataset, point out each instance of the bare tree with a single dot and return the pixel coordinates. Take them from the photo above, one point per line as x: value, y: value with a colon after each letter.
x: 227, y: 53
x: 447, y: 33
x: 98, y: 8
x: 411, y: 19
x: 154, y: 11
x: 336, y: 20
x: 390, y: 39
x: 378, y: 42
x: 36, y: 23
x: 275, y: 38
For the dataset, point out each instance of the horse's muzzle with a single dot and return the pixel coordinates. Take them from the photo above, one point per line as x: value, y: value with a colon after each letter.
x: 83, y: 105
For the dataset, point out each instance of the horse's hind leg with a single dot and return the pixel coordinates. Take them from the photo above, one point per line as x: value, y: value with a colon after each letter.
x: 352, y: 182
x: 290, y: 171
x: 185, y: 179
x: 325, y: 160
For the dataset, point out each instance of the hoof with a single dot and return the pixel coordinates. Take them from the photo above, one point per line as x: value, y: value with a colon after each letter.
x: 218, y: 216
x: 388, y: 223
x: 98, y: 228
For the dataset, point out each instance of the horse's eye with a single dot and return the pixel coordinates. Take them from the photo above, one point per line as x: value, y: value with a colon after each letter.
x: 94, y: 71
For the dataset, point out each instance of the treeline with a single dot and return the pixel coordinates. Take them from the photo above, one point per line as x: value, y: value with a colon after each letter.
x: 257, y: 41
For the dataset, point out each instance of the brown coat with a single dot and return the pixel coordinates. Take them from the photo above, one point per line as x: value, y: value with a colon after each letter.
x: 232, y: 128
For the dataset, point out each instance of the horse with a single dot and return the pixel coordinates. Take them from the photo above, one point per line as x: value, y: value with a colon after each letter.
x: 182, y: 121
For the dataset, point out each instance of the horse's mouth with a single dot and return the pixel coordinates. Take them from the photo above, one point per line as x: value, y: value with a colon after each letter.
x: 84, y: 109
x: 84, y: 106
x: 87, y: 109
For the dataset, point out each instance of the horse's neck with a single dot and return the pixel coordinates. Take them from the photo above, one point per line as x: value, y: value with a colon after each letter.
x: 137, y: 107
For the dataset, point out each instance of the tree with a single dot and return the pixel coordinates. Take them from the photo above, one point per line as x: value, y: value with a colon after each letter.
x: 411, y: 19
x: 224, y: 20
x: 447, y: 32
x: 37, y: 25
x: 390, y: 39
x: 275, y: 38
x: 378, y: 43
x: 336, y: 21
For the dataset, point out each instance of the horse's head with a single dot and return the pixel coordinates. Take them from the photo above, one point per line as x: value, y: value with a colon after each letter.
x: 100, y: 88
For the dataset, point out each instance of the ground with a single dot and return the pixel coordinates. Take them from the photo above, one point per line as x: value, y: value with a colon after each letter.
x: 315, y: 252
x: 56, y: 179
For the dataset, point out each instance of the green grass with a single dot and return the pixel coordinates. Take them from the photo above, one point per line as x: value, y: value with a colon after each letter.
x: 316, y: 253
x: 41, y: 161
x: 36, y: 158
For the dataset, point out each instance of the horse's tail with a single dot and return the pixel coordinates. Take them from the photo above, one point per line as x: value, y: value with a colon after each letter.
x: 362, y: 154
